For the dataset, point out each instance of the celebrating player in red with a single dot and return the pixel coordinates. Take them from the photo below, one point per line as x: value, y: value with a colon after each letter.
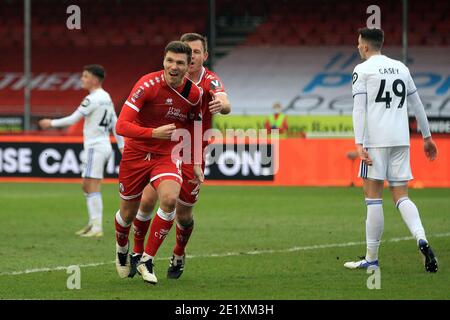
x: 159, y: 103
x: 214, y: 101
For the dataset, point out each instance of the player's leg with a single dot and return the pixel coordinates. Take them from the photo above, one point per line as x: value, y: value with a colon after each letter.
x: 184, y: 228
x: 143, y: 218
x: 399, y: 174
x: 124, y: 218
x: 168, y: 191
x: 408, y: 211
x: 133, y: 177
x: 373, y: 192
x: 185, y: 221
x: 141, y: 224
x: 166, y: 179
x: 96, y: 160
x: 92, y: 191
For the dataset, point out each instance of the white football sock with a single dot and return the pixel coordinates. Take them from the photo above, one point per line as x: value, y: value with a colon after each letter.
x: 168, y: 216
x: 141, y: 216
x: 95, y: 209
x: 410, y: 215
x: 374, y: 227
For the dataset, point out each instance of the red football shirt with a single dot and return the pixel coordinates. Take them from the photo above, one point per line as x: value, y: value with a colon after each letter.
x: 209, y: 82
x: 153, y: 103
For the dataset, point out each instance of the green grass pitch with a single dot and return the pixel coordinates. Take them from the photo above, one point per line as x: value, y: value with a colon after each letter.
x: 299, y: 237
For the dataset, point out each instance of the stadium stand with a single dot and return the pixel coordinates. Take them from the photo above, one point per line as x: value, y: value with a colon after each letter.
x: 128, y: 43
x: 294, y: 23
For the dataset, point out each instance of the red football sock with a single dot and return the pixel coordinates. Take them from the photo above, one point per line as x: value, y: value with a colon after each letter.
x: 158, y: 231
x: 140, y: 229
x: 183, y: 235
x: 122, y: 230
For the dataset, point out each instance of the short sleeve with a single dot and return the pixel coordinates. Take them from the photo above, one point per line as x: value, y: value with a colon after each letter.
x: 358, y: 82
x: 87, y: 106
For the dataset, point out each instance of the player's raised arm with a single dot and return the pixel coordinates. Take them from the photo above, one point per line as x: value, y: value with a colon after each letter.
x: 83, y: 110
x: 219, y: 102
x: 62, y: 122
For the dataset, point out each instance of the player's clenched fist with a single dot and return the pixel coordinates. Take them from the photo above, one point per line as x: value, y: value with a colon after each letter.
x: 45, y: 123
x: 164, y: 132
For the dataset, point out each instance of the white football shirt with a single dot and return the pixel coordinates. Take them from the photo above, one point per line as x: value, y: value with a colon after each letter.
x: 387, y: 83
x: 99, y: 117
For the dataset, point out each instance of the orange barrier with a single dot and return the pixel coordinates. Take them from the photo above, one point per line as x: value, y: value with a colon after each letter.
x: 324, y: 162
x: 304, y: 162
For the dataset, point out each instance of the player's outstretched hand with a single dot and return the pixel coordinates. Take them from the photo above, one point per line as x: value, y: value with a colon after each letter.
x: 430, y: 149
x: 215, y: 105
x: 363, y: 154
x: 198, y: 175
x: 164, y: 132
x: 45, y: 123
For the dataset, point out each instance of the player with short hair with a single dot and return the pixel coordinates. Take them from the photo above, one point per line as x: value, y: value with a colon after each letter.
x: 214, y: 101
x: 383, y: 92
x: 99, y: 119
x: 159, y: 103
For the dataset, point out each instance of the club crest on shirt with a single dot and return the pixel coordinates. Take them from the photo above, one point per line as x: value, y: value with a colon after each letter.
x: 169, y: 101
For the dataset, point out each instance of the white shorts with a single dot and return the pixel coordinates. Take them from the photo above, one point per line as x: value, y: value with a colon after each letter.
x: 389, y: 163
x: 94, y: 160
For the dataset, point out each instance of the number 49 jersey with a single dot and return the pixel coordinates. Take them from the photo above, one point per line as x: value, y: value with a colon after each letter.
x: 387, y: 84
x: 99, y: 117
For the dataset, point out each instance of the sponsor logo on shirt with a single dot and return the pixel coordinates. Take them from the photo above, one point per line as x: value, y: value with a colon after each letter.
x: 176, y: 114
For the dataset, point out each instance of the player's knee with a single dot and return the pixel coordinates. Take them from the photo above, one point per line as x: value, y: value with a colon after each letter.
x: 148, y: 203
x: 168, y: 201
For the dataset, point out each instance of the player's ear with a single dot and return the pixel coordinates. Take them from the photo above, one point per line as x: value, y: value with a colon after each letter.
x: 206, y: 55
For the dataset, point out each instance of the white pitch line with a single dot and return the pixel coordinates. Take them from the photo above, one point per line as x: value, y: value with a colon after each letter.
x: 229, y: 254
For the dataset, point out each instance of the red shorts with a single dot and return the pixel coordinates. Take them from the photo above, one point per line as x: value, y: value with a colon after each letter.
x: 189, y: 191
x: 138, y: 168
